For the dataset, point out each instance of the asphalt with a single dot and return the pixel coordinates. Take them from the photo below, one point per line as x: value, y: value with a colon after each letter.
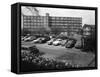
x: 75, y: 56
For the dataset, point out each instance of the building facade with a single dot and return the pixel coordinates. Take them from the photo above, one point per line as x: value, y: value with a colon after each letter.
x: 40, y: 24
x: 28, y: 11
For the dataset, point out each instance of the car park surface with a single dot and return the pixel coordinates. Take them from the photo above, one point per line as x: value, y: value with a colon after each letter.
x: 73, y: 55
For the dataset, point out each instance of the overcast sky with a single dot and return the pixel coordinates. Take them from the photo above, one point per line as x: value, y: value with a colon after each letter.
x: 88, y: 16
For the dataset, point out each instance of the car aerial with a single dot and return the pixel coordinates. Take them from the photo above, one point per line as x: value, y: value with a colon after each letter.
x: 50, y: 41
x: 70, y: 43
x: 57, y: 42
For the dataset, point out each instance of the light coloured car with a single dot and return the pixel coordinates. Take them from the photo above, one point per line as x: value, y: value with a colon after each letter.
x: 31, y: 38
x: 50, y: 41
x: 28, y: 38
x: 37, y: 40
x: 57, y: 42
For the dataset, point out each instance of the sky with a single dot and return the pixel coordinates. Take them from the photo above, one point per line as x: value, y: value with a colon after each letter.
x: 88, y: 16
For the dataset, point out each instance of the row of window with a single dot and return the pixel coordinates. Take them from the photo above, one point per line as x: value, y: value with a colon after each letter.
x: 34, y: 23
x: 73, y: 28
x: 65, y: 18
x: 51, y: 21
x: 52, y: 26
x: 32, y: 19
x: 41, y: 24
x: 66, y: 23
x: 52, y: 18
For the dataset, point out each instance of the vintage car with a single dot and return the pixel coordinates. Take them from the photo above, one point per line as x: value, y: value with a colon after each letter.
x: 70, y: 43
x: 30, y: 38
x: 78, y: 44
x: 63, y: 42
x: 50, y: 41
x: 42, y: 40
x: 57, y: 42
x: 37, y: 40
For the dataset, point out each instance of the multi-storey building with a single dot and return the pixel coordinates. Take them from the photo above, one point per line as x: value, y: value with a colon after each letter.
x: 28, y: 11
x: 39, y: 24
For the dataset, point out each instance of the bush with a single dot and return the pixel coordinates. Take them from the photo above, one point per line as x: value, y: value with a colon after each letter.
x: 44, y: 63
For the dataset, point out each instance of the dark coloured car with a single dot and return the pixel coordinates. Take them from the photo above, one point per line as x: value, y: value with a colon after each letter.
x: 42, y: 40
x: 30, y: 49
x: 63, y: 42
x: 70, y: 43
x: 78, y: 44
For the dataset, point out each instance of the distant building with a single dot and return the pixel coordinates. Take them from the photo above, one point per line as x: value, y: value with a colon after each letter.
x: 52, y: 24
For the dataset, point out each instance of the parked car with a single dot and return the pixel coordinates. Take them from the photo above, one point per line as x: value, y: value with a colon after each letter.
x: 70, y: 43
x: 24, y: 37
x: 31, y: 38
x: 78, y: 44
x: 51, y: 41
x: 63, y: 42
x: 42, y: 40
x: 57, y: 42
x: 37, y: 40
x: 47, y: 38
x: 27, y: 39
